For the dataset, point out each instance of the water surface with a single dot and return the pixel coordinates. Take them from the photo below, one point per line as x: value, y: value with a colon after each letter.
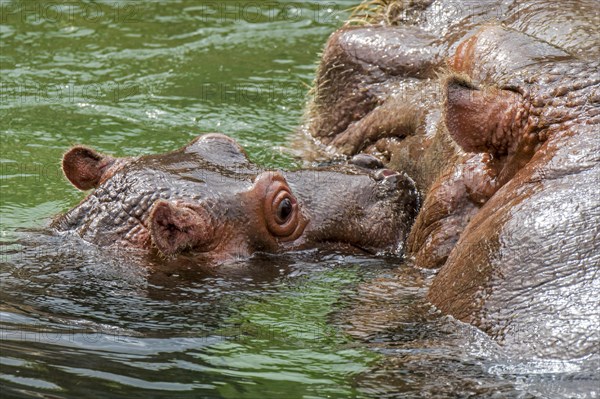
x: 132, y: 77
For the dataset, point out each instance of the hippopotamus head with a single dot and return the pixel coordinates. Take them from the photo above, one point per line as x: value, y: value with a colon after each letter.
x: 207, y: 198
x: 496, y: 118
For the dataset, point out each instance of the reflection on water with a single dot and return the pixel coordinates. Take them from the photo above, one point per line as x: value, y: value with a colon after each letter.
x: 430, y: 355
x: 77, y: 322
x: 133, y: 324
x: 304, y: 324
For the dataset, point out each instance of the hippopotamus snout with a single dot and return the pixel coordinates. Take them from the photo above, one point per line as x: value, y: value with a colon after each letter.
x: 361, y: 204
x: 389, y: 177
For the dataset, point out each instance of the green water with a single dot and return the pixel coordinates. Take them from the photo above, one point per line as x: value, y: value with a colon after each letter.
x: 140, y: 77
x: 135, y: 77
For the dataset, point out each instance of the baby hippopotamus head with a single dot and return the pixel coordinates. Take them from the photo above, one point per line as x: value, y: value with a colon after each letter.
x: 208, y: 199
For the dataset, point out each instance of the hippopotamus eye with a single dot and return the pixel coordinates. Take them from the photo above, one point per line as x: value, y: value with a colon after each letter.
x: 281, y: 212
x: 280, y: 209
x: 284, y: 210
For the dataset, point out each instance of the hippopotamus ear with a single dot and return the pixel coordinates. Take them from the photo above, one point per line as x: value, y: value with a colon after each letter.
x: 175, y: 227
x: 482, y: 120
x: 84, y: 167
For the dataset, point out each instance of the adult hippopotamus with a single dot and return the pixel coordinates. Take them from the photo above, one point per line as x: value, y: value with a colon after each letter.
x: 207, y: 198
x: 493, y: 108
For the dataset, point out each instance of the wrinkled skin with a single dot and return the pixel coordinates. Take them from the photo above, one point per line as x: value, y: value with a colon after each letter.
x: 494, y: 109
x: 208, y: 200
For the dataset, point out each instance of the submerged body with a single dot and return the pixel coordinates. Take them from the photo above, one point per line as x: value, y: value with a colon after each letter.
x: 208, y: 199
x: 494, y: 109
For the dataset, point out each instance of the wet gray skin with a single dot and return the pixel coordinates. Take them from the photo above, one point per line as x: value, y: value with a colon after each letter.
x: 207, y: 199
x: 493, y: 108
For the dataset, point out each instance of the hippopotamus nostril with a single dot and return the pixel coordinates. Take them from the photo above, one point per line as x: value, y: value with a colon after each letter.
x: 366, y: 161
x: 392, y: 180
x: 385, y: 174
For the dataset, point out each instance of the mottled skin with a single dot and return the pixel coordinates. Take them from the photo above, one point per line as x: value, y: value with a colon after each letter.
x: 494, y: 109
x: 208, y: 199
